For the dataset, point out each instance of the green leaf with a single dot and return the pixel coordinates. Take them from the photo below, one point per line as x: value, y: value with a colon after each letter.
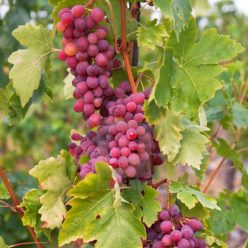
x: 2, y: 243
x: 193, y: 147
x: 190, y: 196
x: 195, y: 67
x: 31, y: 204
x: 162, y: 90
x: 93, y: 216
x: 240, y: 115
x: 71, y: 165
x: 151, y: 35
x: 52, y: 176
x: 235, y: 212
x: 143, y: 197
x: 4, y: 105
x: 168, y: 132
x: 29, y: 63
x: 179, y: 10
x: 152, y: 112
x: 3, y: 192
x: 227, y: 152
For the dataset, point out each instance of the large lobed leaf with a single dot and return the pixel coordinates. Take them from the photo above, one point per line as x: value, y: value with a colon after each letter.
x: 195, y: 66
x: 94, y: 216
x: 29, y: 63
x: 52, y: 176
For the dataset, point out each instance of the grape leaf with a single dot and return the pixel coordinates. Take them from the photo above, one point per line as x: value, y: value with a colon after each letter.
x: 226, y: 151
x: 29, y: 63
x: 151, y: 35
x: 235, y: 211
x: 152, y: 112
x: 195, y: 67
x: 193, y: 147
x: 240, y: 115
x: 3, y: 192
x: 179, y: 10
x: 52, y: 176
x: 168, y: 132
x: 162, y: 90
x: 143, y: 197
x: 68, y: 88
x: 190, y: 196
x: 31, y: 204
x: 94, y: 217
x: 2, y: 243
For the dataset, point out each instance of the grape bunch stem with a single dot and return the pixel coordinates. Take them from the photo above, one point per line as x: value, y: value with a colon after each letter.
x: 123, y: 48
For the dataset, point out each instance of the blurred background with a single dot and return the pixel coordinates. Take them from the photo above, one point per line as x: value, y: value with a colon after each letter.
x: 46, y: 127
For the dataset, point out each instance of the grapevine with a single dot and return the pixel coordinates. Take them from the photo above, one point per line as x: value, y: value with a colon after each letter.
x: 141, y: 87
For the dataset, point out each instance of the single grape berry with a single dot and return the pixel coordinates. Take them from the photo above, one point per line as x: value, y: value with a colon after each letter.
x: 67, y: 18
x: 70, y: 49
x: 166, y: 240
x: 97, y: 15
x: 175, y: 235
x: 77, y: 11
x: 174, y: 210
x: 166, y: 226
x: 60, y: 27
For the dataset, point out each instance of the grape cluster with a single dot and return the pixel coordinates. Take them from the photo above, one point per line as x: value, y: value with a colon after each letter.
x: 124, y: 139
x: 174, y: 231
x: 89, y: 56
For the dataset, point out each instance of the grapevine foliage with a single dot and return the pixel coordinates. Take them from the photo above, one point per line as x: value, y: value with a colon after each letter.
x: 102, y: 191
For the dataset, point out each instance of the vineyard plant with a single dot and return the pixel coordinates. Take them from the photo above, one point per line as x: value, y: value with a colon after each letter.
x: 154, y: 108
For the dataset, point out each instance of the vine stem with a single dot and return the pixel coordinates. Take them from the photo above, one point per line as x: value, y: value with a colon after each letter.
x: 156, y: 185
x: 16, y: 205
x: 123, y: 48
x: 168, y: 194
x: 212, y: 176
x: 90, y: 2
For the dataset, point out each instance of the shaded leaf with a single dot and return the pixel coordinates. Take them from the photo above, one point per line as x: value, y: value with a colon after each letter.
x: 240, y: 115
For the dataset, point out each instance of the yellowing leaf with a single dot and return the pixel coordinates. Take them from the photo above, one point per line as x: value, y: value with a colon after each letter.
x: 68, y: 88
x: 29, y: 63
x: 193, y: 146
x: 52, y: 176
x: 168, y: 132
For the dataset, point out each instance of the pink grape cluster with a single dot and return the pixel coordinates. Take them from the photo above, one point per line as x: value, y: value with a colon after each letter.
x: 89, y: 56
x: 124, y: 139
x: 174, y: 231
